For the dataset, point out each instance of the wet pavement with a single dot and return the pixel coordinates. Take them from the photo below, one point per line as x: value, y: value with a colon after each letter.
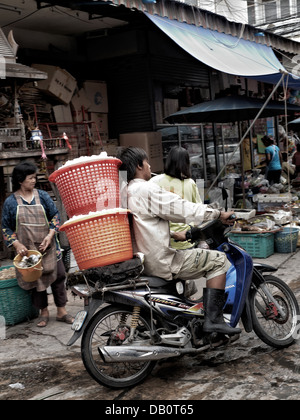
x: 36, y: 364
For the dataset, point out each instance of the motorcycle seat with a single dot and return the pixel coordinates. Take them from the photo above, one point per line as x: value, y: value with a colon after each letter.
x: 156, y: 282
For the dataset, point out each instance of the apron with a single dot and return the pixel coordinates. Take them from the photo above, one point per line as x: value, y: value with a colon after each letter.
x: 32, y: 228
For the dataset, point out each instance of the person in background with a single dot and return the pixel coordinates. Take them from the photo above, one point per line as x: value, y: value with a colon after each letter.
x: 296, y: 160
x: 153, y: 208
x: 177, y: 179
x: 30, y: 221
x: 274, y: 160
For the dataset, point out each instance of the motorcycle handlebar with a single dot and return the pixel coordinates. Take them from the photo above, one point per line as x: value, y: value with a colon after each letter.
x: 198, y: 233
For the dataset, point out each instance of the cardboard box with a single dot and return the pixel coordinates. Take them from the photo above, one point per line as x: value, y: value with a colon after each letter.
x: 170, y: 106
x: 151, y: 142
x: 111, y: 146
x: 60, y: 83
x: 79, y: 105
x: 272, y: 200
x: 80, y: 100
x: 62, y: 113
x: 96, y: 93
x: 159, y: 113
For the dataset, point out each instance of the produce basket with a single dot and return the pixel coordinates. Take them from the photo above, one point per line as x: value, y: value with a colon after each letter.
x: 15, y: 303
x: 258, y: 245
x: 100, y: 239
x: 286, y: 240
x: 88, y: 187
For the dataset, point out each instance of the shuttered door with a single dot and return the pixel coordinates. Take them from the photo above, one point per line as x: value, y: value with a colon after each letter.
x: 188, y: 72
x: 130, y: 106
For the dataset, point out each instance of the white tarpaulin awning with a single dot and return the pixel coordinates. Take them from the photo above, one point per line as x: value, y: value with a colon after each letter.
x: 224, y: 52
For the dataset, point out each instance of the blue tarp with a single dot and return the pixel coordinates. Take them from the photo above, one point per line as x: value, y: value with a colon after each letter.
x: 226, y: 53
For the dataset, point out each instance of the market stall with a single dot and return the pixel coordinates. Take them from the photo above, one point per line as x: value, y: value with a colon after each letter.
x: 278, y: 201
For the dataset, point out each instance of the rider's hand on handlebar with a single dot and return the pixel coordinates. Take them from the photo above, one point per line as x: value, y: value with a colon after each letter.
x: 179, y: 236
x: 227, y: 217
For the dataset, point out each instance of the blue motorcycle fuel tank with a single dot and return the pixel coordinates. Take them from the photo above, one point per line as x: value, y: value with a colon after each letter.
x: 238, y: 280
x: 230, y: 287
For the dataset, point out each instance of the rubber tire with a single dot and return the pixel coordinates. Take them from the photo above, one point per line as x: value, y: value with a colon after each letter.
x: 260, y: 332
x: 88, y: 363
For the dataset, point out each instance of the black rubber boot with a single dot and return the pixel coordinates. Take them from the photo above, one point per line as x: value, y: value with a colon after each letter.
x: 213, y: 302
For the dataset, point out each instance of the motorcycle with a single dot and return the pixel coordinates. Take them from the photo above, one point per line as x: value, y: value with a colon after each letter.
x: 128, y: 325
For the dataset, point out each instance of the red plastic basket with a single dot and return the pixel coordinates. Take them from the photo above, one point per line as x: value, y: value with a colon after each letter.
x: 100, y: 240
x: 89, y: 187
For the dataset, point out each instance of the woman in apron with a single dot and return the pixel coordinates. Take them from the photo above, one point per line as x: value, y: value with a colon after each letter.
x: 30, y: 221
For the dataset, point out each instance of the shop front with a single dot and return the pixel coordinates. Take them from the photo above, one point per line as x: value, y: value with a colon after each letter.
x: 159, y: 62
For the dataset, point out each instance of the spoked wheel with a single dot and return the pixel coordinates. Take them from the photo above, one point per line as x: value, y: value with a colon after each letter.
x: 275, y: 313
x: 111, y: 327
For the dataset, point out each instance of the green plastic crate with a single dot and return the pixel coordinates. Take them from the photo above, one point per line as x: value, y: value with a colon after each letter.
x: 286, y: 240
x: 15, y: 303
x: 258, y: 245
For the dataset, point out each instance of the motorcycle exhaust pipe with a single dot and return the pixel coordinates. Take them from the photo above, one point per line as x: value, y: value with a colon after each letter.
x: 113, y: 354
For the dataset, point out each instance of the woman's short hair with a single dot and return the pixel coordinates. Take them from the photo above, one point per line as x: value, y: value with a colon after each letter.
x: 131, y: 158
x: 20, y: 172
x: 178, y: 163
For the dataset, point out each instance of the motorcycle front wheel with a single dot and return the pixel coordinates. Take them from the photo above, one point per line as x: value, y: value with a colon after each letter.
x: 111, y: 326
x: 275, y: 313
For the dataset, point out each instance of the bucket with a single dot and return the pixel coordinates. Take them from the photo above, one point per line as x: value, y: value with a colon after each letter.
x: 286, y: 241
x: 33, y: 273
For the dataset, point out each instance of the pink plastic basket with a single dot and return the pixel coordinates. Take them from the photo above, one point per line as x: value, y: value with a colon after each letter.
x: 100, y: 240
x: 89, y: 187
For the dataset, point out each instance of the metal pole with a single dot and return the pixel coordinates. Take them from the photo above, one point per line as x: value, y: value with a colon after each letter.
x: 249, y: 129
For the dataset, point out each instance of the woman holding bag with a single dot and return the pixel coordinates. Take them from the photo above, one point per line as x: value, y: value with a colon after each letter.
x: 30, y: 221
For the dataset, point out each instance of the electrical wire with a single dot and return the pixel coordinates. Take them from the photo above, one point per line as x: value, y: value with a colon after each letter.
x: 71, y: 16
x: 20, y: 20
x: 54, y: 8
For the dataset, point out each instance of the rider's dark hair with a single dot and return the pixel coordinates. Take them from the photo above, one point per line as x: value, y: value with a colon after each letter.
x: 178, y: 163
x: 131, y: 158
x: 20, y: 172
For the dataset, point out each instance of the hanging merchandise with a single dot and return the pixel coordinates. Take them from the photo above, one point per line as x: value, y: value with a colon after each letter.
x: 66, y: 138
x: 37, y: 137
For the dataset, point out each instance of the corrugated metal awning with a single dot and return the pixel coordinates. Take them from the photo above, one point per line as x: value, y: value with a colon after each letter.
x: 9, y: 68
x: 226, y: 53
x: 19, y: 71
x: 192, y: 15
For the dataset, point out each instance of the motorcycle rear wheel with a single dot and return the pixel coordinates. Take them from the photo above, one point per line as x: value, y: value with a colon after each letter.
x: 102, y: 331
x: 272, y: 328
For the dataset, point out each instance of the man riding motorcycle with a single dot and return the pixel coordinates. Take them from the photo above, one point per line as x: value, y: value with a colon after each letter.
x: 152, y: 209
